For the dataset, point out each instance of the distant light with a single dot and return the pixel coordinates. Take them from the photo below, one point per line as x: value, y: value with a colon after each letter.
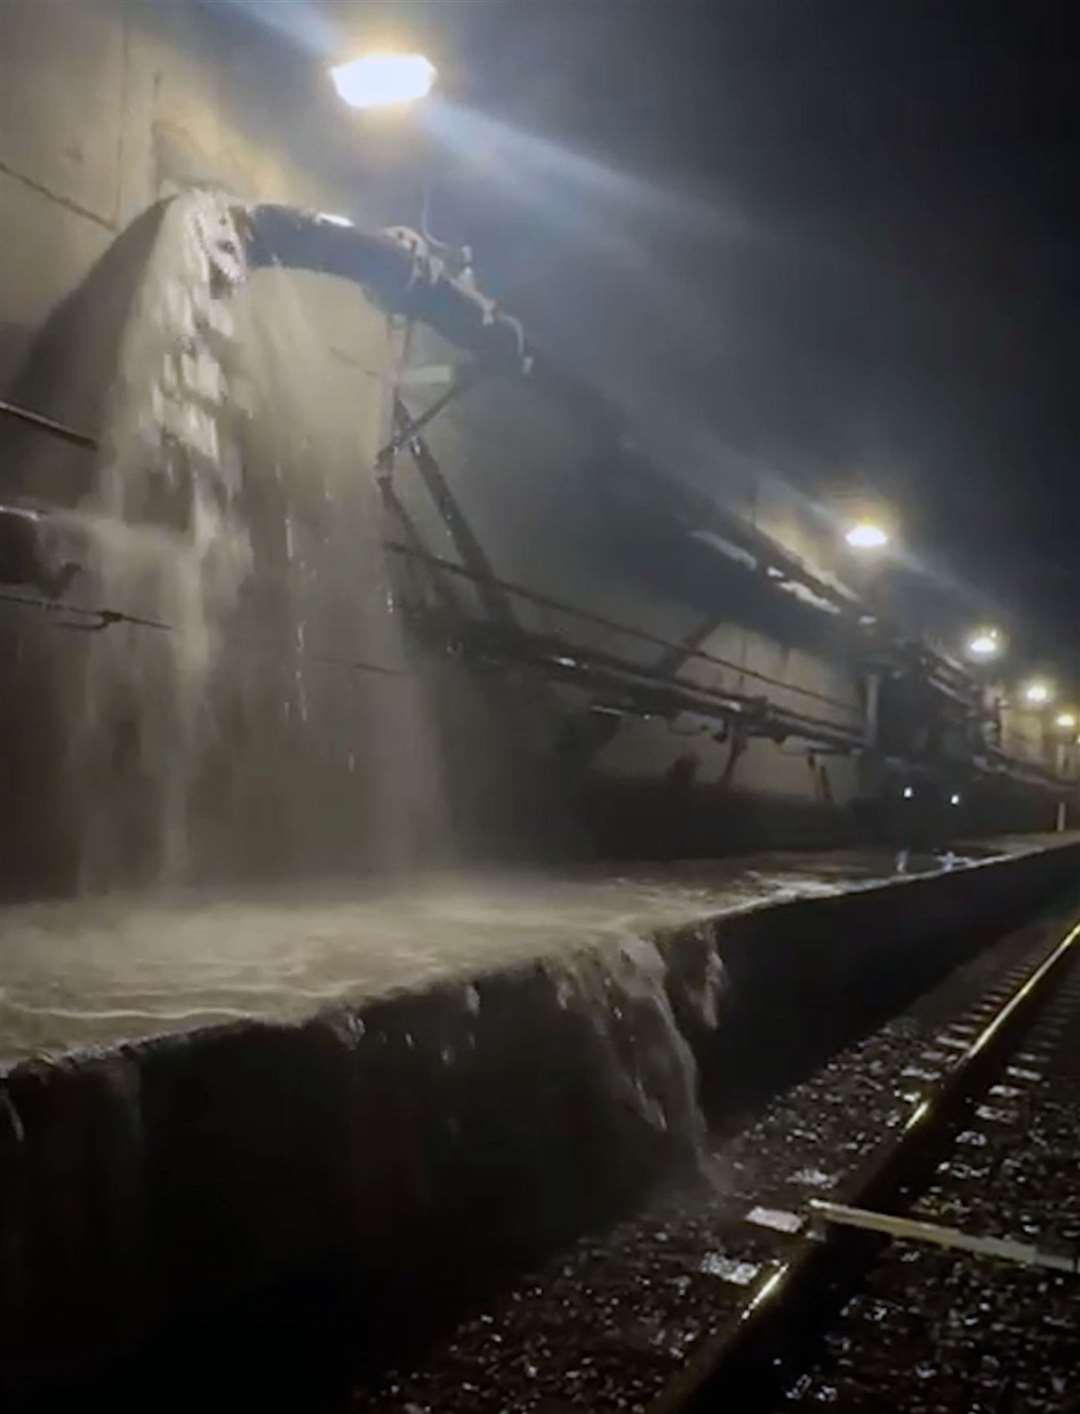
x: 333, y: 220
x: 384, y: 80
x: 985, y: 644
x: 954, y: 799
x: 909, y: 792
x: 866, y: 536
x: 1065, y: 719
x: 1037, y: 693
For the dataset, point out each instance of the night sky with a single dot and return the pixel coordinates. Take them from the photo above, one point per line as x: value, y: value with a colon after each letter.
x: 833, y: 239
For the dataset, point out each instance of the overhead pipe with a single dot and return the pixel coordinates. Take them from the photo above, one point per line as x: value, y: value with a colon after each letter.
x: 409, y: 280
x: 396, y: 265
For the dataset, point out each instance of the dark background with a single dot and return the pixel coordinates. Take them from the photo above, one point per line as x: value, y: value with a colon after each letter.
x: 834, y: 239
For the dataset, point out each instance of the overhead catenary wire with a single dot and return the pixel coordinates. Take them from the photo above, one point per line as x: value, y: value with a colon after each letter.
x: 546, y: 601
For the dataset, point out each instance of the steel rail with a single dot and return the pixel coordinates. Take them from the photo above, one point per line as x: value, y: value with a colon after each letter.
x: 747, y: 1363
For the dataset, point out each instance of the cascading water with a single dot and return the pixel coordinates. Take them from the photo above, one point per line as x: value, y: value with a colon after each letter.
x: 167, y: 540
x: 261, y: 721
x: 262, y: 718
x: 271, y: 723
x: 622, y: 988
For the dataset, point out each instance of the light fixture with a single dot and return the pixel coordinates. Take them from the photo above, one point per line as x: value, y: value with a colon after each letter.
x: 908, y: 792
x: 1065, y: 720
x: 866, y: 535
x: 384, y: 80
x: 1037, y: 694
x: 954, y: 799
x: 985, y: 643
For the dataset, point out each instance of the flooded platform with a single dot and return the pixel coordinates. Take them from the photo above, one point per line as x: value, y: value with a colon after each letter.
x: 381, y: 1103
x: 104, y: 971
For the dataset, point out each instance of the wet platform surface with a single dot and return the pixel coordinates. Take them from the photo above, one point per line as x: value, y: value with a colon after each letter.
x: 97, y: 972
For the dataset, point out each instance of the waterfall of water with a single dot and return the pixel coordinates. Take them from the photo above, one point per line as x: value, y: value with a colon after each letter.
x: 167, y: 541
x: 273, y: 725
x: 621, y: 989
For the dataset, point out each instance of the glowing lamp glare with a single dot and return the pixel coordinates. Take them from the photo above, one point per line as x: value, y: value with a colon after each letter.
x: 985, y: 644
x: 384, y: 80
x: 866, y: 536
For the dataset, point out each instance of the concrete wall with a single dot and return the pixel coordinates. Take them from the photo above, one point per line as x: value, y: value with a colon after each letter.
x: 108, y: 106
x: 524, y: 475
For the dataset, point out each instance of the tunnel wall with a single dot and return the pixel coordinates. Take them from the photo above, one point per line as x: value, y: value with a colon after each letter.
x: 524, y: 471
x: 109, y: 106
x: 388, y: 1159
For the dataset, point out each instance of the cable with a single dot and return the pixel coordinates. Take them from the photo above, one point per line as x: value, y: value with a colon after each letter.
x: 395, y: 547
x: 107, y: 617
x: 104, y: 617
x: 49, y: 425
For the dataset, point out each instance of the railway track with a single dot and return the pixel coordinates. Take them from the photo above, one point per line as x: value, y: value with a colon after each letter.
x: 989, y: 1318
x: 975, y: 1093
x: 736, y: 1292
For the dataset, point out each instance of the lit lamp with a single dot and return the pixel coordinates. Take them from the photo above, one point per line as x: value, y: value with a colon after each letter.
x: 1066, y: 721
x: 984, y: 644
x: 1037, y: 694
x: 867, y: 535
x: 384, y: 80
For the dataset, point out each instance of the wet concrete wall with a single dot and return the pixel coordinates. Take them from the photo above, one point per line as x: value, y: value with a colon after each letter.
x: 376, y: 1164
x: 553, y: 516
x: 111, y: 106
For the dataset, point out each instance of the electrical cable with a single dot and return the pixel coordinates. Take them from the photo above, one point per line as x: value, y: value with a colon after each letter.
x: 48, y: 424
x: 105, y: 618
x: 395, y: 547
